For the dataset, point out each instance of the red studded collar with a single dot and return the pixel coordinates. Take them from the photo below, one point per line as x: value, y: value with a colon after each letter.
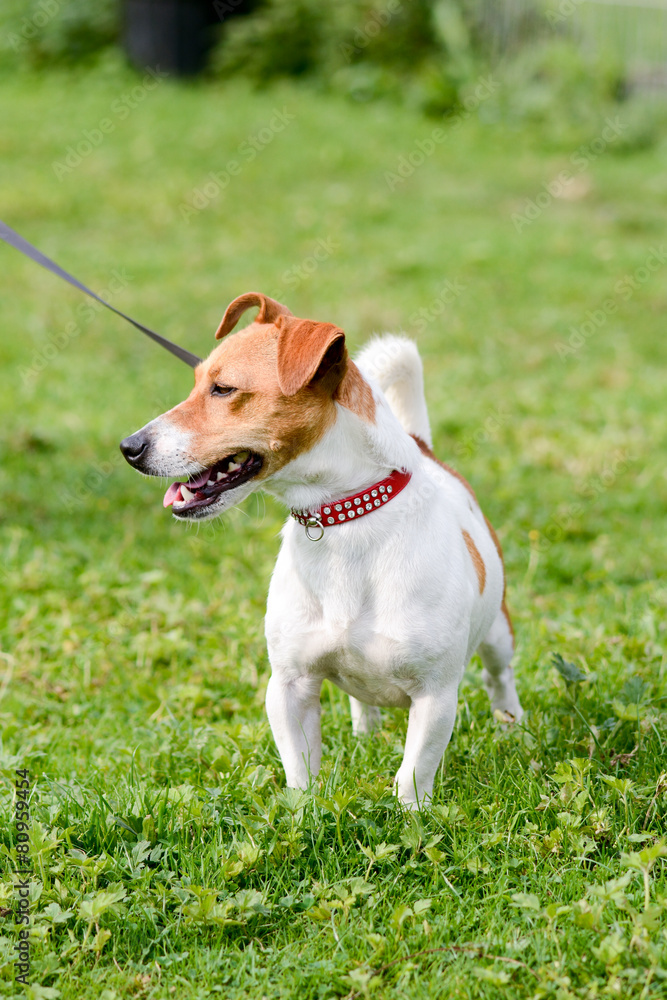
x: 352, y: 507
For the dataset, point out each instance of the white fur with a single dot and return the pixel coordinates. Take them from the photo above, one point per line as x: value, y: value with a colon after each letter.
x: 388, y: 607
x: 170, y: 449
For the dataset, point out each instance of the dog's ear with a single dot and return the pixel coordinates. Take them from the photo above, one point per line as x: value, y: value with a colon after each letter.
x: 269, y: 311
x: 307, y: 350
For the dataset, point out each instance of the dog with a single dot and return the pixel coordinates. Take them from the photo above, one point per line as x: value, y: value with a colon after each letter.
x: 389, y: 577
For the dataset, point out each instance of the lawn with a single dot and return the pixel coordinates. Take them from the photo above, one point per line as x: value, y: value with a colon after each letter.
x: 168, y: 858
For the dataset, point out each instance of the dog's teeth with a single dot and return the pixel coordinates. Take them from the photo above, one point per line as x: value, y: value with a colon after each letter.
x: 241, y: 457
x: 233, y: 466
x: 186, y: 494
x: 220, y: 475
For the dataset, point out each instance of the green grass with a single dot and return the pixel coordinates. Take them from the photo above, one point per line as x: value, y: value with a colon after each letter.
x: 169, y: 859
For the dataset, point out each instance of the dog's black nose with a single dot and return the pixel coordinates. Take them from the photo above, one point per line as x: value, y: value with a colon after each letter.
x: 134, y: 447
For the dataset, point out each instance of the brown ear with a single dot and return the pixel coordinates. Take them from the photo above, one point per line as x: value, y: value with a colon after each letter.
x: 269, y: 311
x: 306, y: 349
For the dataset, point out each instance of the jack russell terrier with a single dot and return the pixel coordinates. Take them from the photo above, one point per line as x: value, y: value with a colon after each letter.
x: 389, y: 577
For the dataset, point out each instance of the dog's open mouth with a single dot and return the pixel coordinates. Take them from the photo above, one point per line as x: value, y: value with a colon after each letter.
x: 205, y: 488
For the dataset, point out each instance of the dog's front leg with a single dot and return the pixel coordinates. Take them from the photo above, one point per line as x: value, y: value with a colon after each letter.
x: 430, y: 725
x: 293, y: 708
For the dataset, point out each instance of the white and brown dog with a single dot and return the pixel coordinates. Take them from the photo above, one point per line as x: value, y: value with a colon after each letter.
x: 389, y: 577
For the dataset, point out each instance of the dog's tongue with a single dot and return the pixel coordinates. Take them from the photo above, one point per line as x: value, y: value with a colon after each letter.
x: 174, y: 491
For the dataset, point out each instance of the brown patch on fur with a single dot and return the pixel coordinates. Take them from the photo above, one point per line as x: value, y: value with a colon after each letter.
x: 503, y: 606
x: 258, y: 417
x: 269, y: 311
x: 307, y: 348
x: 355, y: 393
x: 425, y: 450
x: 506, y: 615
x: 288, y: 374
x: 477, y: 560
x: 499, y: 550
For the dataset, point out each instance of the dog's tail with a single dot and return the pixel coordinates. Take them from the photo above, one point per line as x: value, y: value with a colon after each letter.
x: 394, y: 363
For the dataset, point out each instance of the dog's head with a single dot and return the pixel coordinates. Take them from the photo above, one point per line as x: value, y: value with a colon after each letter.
x: 262, y: 397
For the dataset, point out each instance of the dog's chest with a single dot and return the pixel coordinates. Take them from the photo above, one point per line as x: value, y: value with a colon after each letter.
x: 358, y: 654
x: 375, y: 679
x: 377, y: 633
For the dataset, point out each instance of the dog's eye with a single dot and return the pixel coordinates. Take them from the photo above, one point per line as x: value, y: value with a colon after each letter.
x: 222, y: 390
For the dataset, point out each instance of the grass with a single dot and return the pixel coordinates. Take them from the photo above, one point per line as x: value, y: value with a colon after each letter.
x: 169, y: 860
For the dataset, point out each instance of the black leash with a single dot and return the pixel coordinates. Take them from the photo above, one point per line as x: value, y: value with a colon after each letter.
x: 16, y: 241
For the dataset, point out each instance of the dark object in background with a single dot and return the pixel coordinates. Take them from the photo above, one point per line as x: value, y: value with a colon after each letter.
x: 175, y: 35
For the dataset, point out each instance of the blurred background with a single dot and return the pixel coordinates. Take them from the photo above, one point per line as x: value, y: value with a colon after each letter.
x: 423, y: 52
